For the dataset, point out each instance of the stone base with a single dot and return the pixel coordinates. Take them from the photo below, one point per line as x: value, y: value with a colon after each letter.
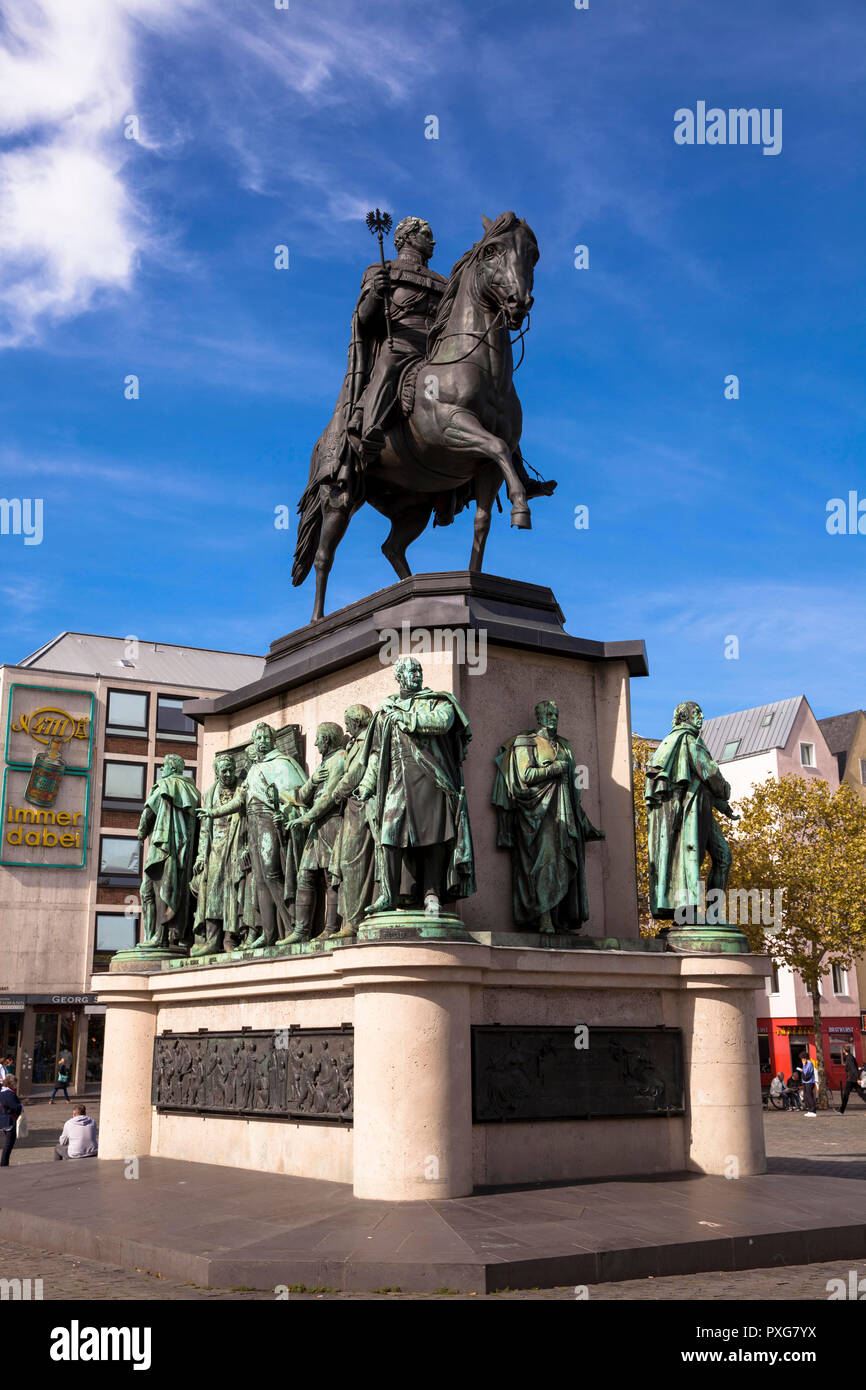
x: 257, y: 1231
x: 721, y: 937
x: 412, y: 925
x: 412, y: 1007
x: 145, y: 957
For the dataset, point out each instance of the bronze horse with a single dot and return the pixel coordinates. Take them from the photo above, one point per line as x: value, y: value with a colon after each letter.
x: 461, y: 437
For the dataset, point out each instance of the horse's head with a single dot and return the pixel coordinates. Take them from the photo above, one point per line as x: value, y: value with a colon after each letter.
x: 505, y: 266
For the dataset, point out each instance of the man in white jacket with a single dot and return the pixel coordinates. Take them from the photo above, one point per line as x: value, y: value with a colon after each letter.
x: 78, y: 1138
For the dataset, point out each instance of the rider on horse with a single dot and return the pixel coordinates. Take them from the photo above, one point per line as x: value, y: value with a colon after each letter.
x: 368, y: 401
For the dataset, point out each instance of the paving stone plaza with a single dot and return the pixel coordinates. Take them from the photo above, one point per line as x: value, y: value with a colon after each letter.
x: 833, y: 1146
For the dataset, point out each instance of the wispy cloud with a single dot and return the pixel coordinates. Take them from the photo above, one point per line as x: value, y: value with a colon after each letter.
x: 75, y: 221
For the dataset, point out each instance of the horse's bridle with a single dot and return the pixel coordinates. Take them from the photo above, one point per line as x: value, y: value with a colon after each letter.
x: 481, y: 337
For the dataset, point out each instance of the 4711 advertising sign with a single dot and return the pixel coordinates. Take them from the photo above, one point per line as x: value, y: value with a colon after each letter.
x: 46, y: 782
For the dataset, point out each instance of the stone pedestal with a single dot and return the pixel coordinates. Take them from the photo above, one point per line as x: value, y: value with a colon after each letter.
x: 416, y: 1001
x: 412, y: 1008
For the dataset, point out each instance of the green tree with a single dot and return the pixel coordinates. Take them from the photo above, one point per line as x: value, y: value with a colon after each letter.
x: 810, y: 842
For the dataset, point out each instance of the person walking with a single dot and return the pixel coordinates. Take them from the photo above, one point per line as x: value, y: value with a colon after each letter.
x: 79, y: 1137
x: 10, y: 1109
x: 62, y: 1080
x: 852, y: 1079
x: 807, y: 1070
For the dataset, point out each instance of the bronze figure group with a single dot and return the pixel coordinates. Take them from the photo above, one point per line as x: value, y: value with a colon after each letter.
x: 271, y: 857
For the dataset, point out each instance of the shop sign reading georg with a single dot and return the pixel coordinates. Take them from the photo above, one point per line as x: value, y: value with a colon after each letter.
x: 46, y: 783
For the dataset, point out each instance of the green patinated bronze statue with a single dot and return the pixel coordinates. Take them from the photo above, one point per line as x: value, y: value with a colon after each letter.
x: 263, y: 795
x: 537, y: 795
x: 353, y: 858
x: 413, y: 772
x: 225, y: 910
x: 684, y: 785
x: 168, y: 821
x: 314, y: 832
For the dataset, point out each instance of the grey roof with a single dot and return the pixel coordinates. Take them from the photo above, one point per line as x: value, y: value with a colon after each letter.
x: 748, y: 726
x: 839, y: 730
x: 158, y: 663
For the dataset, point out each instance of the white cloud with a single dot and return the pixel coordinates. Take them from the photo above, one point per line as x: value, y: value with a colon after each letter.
x: 68, y: 226
x: 71, y: 71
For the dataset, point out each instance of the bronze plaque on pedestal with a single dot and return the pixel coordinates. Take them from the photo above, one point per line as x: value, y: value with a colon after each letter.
x: 575, y: 1073
x: 281, y: 1073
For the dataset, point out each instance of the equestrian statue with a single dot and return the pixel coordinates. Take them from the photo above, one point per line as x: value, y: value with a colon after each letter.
x: 427, y: 419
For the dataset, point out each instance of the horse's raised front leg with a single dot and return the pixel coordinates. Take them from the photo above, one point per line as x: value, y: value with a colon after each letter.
x: 486, y: 487
x: 463, y: 433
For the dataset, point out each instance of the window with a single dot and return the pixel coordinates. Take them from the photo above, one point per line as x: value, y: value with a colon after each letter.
x: 119, y: 856
x: 863, y: 771
x: 807, y: 754
x: 730, y: 750
x: 840, y: 980
x: 115, y: 931
x: 127, y: 713
x: 95, y: 1043
x: 53, y: 1039
x: 774, y: 979
x: 837, y: 1042
x: 188, y: 772
x: 767, y: 719
x: 171, y: 722
x: 124, y: 782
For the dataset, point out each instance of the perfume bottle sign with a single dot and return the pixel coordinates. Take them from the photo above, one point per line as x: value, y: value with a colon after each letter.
x: 46, y: 776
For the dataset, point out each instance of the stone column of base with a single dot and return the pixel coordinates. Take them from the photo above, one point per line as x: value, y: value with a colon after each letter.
x: 125, y: 1123
x: 412, y: 1104
x: 726, y: 1129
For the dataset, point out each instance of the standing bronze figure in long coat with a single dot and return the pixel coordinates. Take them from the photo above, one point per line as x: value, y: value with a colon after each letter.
x: 169, y: 822
x: 543, y: 824
x: 225, y: 909
x: 414, y: 753
x: 683, y: 785
x: 353, y: 860
x: 314, y: 831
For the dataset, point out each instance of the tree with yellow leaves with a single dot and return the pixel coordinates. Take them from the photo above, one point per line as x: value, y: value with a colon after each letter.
x: 642, y: 751
x: 799, y: 836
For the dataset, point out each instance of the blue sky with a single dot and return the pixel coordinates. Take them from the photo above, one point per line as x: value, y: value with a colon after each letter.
x: 260, y: 127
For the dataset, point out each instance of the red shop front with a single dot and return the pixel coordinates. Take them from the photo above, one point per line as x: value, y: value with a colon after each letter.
x: 781, y: 1040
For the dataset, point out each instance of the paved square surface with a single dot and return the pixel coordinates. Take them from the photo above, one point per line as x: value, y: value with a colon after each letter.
x: 682, y: 1237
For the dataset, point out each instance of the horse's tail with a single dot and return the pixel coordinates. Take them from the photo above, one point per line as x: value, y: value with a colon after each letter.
x: 309, y: 530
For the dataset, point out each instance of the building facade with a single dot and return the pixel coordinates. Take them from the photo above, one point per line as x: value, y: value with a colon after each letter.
x: 779, y: 740
x: 85, y: 722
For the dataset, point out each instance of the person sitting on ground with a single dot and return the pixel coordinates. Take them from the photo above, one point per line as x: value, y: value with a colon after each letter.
x: 793, y: 1090
x: 777, y: 1089
x: 10, y: 1109
x: 79, y: 1136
